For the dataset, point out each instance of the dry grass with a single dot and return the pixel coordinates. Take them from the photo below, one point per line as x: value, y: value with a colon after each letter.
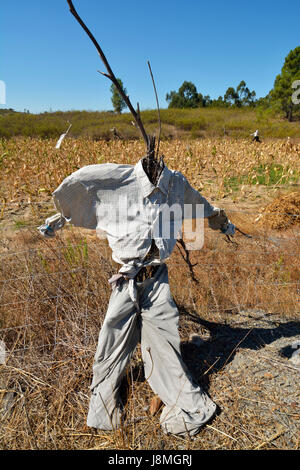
x: 283, y: 212
x: 30, y: 168
x: 54, y: 295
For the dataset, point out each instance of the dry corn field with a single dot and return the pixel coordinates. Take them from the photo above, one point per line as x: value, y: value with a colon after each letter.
x: 239, y: 310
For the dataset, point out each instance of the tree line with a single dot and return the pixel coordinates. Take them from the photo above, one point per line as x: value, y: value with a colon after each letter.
x: 188, y: 97
x: 284, y: 96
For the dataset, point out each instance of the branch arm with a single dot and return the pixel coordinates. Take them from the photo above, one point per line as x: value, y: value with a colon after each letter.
x: 110, y: 73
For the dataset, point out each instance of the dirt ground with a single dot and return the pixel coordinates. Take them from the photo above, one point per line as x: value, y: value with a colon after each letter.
x: 254, y: 378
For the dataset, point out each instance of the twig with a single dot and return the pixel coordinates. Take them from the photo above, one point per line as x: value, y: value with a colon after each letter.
x: 269, y: 404
x: 224, y: 433
x: 235, y: 348
x: 152, y: 364
x: 282, y: 431
x: 207, y: 370
x: 22, y: 372
x: 279, y: 362
x: 243, y: 233
x: 98, y: 446
x: 187, y: 259
x: 29, y: 425
x: 86, y: 434
x: 158, y: 110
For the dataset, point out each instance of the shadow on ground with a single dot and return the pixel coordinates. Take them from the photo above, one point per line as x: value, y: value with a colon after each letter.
x: 210, y: 356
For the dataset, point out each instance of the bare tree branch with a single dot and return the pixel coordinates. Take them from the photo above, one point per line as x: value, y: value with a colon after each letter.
x: 187, y: 259
x: 111, y: 75
x: 158, y: 110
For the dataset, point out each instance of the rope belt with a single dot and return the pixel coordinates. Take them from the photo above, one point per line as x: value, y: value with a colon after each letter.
x: 146, y: 272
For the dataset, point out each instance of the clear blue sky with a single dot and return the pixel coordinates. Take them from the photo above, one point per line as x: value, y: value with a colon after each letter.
x: 48, y: 62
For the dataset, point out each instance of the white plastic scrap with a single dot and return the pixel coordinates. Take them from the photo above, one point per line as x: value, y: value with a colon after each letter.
x: 58, y: 144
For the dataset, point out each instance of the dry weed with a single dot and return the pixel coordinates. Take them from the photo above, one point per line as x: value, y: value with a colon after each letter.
x: 283, y: 212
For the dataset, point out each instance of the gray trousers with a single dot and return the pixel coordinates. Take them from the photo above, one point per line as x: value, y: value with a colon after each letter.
x: 187, y: 407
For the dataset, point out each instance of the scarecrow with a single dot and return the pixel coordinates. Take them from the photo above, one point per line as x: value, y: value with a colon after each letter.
x: 255, y: 136
x: 126, y: 202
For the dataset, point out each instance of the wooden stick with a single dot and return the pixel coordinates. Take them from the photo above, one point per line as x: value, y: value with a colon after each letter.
x: 110, y: 73
x: 224, y: 433
x: 158, y: 110
x: 270, y: 439
x: 187, y: 259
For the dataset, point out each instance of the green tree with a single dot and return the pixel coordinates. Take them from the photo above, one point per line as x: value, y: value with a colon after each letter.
x: 219, y: 103
x: 245, y: 96
x: 116, y: 99
x: 207, y: 101
x: 231, y: 97
x: 264, y: 102
x: 186, y: 97
x: 282, y: 92
x: 241, y: 96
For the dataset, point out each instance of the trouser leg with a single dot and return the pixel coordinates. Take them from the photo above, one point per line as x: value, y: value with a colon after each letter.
x: 187, y: 406
x: 118, y: 338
